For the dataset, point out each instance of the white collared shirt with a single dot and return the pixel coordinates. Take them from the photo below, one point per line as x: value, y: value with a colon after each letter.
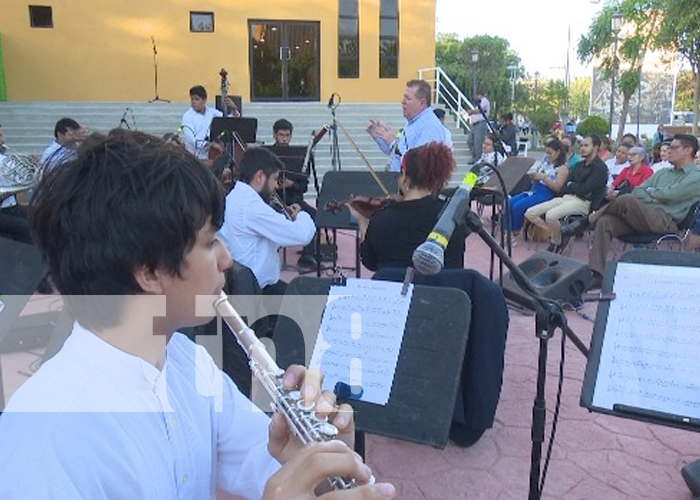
x: 253, y: 232
x: 195, y: 129
x: 97, y: 423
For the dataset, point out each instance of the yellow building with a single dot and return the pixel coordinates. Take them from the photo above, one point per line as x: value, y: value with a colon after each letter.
x: 286, y: 50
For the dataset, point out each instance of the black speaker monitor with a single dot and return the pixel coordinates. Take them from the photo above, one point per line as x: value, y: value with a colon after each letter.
x: 554, y: 276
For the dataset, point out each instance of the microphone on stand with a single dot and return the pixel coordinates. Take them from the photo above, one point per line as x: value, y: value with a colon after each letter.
x: 123, y: 120
x: 429, y: 257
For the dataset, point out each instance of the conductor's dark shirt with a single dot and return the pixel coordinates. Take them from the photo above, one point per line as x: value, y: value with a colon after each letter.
x: 395, y: 231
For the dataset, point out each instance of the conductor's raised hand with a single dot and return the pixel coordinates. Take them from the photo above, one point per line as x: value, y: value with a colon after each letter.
x: 283, y: 444
x: 305, y: 475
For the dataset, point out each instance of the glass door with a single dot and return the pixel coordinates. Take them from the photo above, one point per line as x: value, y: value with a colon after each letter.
x: 284, y: 60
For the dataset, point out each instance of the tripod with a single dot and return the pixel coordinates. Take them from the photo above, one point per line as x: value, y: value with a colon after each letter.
x: 549, y: 317
x: 155, y: 73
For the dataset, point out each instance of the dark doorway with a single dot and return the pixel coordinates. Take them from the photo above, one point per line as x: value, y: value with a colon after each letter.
x: 284, y: 60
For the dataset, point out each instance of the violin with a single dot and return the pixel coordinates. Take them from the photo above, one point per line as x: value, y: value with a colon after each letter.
x: 365, y: 205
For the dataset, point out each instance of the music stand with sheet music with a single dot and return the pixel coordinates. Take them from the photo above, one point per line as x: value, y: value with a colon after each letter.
x: 426, y: 380
x: 643, y: 362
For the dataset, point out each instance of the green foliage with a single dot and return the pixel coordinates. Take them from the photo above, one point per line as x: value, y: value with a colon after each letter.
x: 579, y: 97
x: 454, y: 57
x: 684, y: 91
x: 543, y: 119
x: 593, y: 124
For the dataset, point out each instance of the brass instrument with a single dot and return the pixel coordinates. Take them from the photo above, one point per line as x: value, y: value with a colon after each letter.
x: 301, y: 418
x: 20, y: 172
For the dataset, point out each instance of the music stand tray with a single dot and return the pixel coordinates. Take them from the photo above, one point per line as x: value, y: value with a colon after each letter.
x: 291, y: 156
x: 223, y: 128
x: 643, y: 362
x: 423, y: 394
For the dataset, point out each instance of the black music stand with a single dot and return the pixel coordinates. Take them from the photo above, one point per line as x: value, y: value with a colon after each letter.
x: 338, y: 186
x: 21, y: 270
x: 223, y: 128
x: 655, y: 371
x: 423, y: 394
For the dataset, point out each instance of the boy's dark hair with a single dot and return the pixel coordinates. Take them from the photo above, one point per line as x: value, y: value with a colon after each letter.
x: 507, y: 116
x: 199, y: 91
x: 440, y: 113
x: 282, y: 124
x: 127, y: 202
x: 64, y: 125
x: 256, y: 159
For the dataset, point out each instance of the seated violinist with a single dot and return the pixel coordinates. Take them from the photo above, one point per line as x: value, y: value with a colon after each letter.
x: 391, y: 234
x: 253, y: 231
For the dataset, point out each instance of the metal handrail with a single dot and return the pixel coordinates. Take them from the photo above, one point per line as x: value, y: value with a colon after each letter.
x: 445, y: 90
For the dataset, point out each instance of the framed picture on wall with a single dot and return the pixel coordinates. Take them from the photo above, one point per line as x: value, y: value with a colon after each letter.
x: 202, y: 22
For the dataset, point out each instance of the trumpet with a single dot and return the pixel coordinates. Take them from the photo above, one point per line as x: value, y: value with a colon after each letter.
x: 300, y: 417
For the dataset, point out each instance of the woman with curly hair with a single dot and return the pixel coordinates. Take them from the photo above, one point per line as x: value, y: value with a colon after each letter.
x: 391, y: 235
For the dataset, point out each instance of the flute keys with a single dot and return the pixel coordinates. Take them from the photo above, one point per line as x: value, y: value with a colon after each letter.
x: 327, y: 429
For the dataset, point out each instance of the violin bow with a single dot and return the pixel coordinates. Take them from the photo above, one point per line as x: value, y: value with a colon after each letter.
x: 362, y: 156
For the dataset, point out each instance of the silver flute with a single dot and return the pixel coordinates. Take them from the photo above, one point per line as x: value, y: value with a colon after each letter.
x: 300, y: 416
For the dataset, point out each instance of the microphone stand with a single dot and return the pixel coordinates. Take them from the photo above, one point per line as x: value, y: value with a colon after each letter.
x: 549, y: 316
x: 155, y: 73
x: 335, y: 148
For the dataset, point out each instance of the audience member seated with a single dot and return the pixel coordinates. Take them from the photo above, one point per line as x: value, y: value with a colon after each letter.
x: 656, y: 206
x: 663, y: 158
x: 547, y: 180
x: 492, y: 155
x: 605, y: 152
x: 618, y: 163
x: 392, y: 233
x: 584, y: 190
x: 253, y: 231
x: 440, y: 113
x: 570, y: 142
x: 68, y: 135
x: 632, y: 176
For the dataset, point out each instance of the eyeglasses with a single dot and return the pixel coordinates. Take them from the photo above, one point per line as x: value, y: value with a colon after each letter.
x: 675, y: 146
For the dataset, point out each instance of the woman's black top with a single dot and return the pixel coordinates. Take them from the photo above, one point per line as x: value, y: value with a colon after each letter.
x: 395, y: 231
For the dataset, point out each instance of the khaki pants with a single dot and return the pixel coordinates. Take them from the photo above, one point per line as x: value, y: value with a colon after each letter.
x: 624, y: 215
x: 554, y: 210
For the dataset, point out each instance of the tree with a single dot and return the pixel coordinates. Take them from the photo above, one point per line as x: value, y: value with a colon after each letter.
x: 492, y: 77
x: 685, y: 86
x: 681, y: 31
x: 593, y: 125
x: 641, y: 24
x: 580, y: 98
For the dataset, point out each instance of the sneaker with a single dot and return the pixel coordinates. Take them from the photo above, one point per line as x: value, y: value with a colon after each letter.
x: 576, y: 227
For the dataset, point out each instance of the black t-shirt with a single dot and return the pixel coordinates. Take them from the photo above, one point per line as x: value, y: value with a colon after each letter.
x: 395, y: 231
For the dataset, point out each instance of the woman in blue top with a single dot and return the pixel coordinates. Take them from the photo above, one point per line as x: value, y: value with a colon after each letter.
x: 547, y: 180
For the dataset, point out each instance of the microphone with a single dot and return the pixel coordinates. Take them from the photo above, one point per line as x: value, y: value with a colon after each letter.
x: 123, y: 120
x: 429, y: 257
x: 331, y: 102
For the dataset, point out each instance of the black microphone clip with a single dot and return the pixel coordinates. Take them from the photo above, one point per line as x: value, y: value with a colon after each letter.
x: 334, y: 101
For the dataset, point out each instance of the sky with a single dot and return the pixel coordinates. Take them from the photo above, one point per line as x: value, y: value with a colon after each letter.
x: 536, y: 29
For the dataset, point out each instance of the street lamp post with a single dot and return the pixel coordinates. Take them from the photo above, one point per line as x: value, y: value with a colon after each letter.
x: 512, y: 68
x: 615, y: 26
x: 475, y: 59
x: 534, y: 133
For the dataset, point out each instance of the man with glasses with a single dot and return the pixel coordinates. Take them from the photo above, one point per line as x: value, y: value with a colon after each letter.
x: 657, y: 206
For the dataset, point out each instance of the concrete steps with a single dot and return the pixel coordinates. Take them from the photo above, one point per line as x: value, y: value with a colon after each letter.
x: 28, y: 126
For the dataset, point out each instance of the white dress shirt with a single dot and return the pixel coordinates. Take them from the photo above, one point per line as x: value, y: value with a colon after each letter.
x: 195, y: 128
x: 97, y: 423
x: 55, y: 154
x: 253, y: 232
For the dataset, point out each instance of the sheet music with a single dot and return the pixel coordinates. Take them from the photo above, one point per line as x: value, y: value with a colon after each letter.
x: 361, y: 334
x: 650, y: 357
